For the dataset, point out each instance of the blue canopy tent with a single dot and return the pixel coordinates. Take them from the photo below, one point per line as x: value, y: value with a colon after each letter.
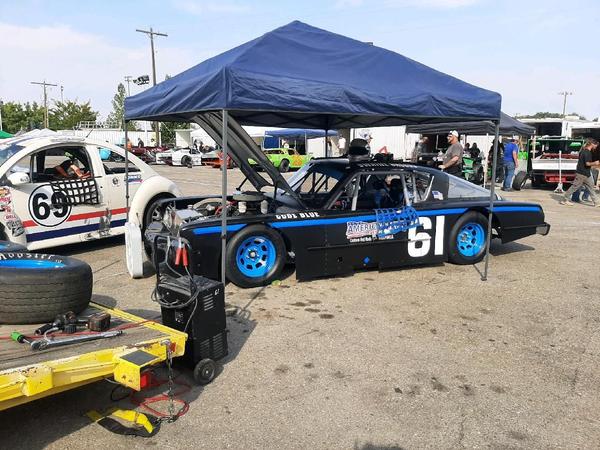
x: 508, y: 126
x: 301, y: 76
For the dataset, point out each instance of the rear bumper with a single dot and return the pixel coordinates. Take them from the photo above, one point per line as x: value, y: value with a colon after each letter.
x: 543, y: 229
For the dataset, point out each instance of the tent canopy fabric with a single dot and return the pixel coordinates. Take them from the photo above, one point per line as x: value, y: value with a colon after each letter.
x: 5, y: 135
x: 508, y: 125
x: 301, y: 76
x: 299, y: 133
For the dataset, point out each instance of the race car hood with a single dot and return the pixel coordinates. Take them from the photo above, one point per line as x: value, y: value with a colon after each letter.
x: 242, y: 149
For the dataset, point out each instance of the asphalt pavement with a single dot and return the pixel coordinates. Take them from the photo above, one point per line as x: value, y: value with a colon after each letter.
x: 425, y: 357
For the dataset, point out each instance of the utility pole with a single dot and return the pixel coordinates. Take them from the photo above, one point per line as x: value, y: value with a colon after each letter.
x: 62, y: 91
x: 128, y: 79
x: 151, y: 33
x: 45, y: 85
x: 565, y: 94
x: 1, y: 105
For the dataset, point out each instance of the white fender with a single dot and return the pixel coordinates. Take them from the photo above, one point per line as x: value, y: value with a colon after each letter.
x: 134, y: 254
x: 149, y: 189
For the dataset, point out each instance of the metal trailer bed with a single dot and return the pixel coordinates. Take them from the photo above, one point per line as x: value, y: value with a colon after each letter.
x: 26, y: 375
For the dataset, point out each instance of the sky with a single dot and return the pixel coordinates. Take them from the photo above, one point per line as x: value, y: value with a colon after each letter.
x: 526, y: 50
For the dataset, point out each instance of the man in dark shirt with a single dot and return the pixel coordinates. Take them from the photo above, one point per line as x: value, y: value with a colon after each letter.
x: 583, y: 173
x: 452, y: 161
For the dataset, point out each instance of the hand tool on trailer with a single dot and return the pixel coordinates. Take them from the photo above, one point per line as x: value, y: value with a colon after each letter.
x: 20, y: 338
x: 44, y: 344
x: 69, y: 321
x: 66, y: 322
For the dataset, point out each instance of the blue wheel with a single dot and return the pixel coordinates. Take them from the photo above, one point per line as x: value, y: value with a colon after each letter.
x: 470, y: 240
x: 466, y: 244
x: 255, y: 256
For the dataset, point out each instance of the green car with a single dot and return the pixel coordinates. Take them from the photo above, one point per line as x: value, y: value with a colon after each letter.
x: 285, y: 159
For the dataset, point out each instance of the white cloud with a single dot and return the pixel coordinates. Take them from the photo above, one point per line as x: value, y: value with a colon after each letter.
x: 87, y: 65
x: 203, y: 7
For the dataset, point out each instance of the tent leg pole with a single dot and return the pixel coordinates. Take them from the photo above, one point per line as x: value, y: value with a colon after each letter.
x: 326, y: 146
x: 485, y: 164
x: 491, y: 207
x: 224, y: 198
x: 126, y: 123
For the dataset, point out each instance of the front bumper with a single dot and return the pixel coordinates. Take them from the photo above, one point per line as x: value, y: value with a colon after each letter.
x: 543, y: 229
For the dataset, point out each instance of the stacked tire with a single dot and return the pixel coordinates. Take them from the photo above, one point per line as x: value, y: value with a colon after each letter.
x: 11, y: 247
x: 37, y: 287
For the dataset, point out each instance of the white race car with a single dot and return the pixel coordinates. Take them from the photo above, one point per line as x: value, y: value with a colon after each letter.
x: 57, y: 190
x: 180, y: 157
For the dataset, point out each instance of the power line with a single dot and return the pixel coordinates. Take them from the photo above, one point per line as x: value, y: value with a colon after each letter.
x: 151, y: 33
x: 45, y: 85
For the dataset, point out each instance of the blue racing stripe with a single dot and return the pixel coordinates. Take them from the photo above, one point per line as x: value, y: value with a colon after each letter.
x: 320, y: 222
x: 33, y: 237
x: 517, y: 208
x: 210, y: 230
x: 340, y: 220
x: 441, y: 212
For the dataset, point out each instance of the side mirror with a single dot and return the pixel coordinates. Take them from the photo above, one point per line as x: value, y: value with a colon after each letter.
x: 18, y: 178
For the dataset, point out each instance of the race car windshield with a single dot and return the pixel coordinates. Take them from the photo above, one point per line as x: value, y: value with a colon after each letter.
x: 313, y: 178
x: 8, y: 150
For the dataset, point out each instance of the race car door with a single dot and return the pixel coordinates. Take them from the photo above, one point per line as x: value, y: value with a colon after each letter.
x: 381, y: 222
x: 56, y: 206
x: 113, y: 165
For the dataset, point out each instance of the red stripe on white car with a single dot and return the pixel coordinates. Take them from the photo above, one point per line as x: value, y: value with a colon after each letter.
x: 90, y: 215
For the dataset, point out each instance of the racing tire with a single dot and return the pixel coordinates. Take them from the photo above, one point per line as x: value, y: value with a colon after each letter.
x: 478, y: 178
x: 11, y: 247
x: 151, y: 213
x: 255, y: 256
x: 519, y: 181
x: 187, y: 162
x: 36, y: 287
x: 467, y: 239
x: 284, y: 166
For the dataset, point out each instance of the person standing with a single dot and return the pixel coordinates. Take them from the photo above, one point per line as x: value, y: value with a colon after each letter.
x: 583, y: 173
x: 342, y: 144
x: 420, y: 147
x: 140, y: 143
x: 452, y: 160
x: 510, y: 160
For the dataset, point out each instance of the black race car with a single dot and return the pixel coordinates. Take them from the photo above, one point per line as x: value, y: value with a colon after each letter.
x: 335, y: 216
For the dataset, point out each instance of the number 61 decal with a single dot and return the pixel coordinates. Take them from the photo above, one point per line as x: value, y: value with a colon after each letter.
x: 419, y: 243
x: 48, y: 208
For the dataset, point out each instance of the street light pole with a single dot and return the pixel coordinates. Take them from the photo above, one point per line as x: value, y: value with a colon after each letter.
x: 128, y: 79
x: 565, y: 94
x: 1, y: 105
x: 151, y: 33
x: 45, y: 85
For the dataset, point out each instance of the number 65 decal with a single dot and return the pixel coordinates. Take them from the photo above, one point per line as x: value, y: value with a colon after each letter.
x: 419, y: 243
x: 48, y: 208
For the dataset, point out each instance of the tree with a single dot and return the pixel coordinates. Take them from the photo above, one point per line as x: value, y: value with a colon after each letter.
x: 22, y: 116
x: 167, y: 131
x: 548, y: 115
x: 117, y: 115
x: 66, y: 115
